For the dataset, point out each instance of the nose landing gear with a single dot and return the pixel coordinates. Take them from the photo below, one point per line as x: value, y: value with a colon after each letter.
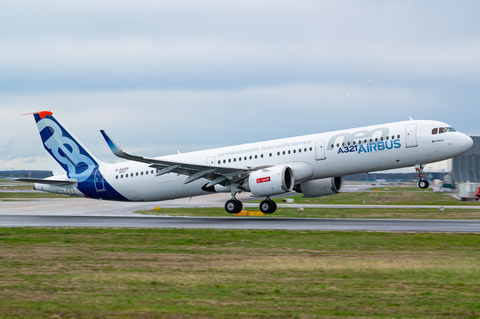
x: 422, y: 183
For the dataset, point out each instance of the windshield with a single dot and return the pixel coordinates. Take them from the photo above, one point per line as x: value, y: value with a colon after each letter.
x: 450, y: 129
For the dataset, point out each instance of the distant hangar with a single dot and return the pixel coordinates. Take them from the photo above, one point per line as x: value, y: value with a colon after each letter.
x: 466, y: 167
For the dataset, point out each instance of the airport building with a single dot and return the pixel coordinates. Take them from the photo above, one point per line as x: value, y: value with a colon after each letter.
x: 466, y: 167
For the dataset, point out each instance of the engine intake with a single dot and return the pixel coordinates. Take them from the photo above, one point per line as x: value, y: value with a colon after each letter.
x: 320, y: 187
x: 270, y: 181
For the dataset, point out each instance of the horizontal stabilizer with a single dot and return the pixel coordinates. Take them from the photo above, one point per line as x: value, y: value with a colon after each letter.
x: 58, y: 182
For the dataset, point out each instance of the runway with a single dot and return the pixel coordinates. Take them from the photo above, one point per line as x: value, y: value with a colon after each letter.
x: 401, y: 225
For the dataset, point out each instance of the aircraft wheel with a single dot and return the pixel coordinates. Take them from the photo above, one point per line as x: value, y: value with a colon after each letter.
x: 423, y: 184
x: 268, y: 206
x: 233, y: 206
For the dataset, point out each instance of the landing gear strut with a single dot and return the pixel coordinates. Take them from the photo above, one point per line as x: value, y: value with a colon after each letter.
x: 234, y: 206
x: 268, y: 206
x: 422, y: 183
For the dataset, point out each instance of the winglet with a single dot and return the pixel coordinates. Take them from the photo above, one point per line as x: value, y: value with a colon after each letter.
x: 113, y: 146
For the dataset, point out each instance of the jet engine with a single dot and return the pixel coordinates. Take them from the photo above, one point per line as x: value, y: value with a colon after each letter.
x: 320, y: 187
x: 270, y: 181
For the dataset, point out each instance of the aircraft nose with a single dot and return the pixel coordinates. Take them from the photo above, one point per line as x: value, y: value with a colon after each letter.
x: 466, y: 142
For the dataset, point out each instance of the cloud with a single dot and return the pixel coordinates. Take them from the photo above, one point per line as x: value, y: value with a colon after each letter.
x: 166, y: 75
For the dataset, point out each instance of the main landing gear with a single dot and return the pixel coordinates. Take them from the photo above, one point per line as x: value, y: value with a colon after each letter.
x: 422, y: 183
x: 234, y: 206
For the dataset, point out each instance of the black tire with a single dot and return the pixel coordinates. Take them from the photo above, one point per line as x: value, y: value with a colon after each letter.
x: 233, y: 206
x: 268, y: 206
x: 423, y: 184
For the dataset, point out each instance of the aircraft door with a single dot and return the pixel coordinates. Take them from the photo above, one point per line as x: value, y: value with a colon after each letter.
x: 211, y: 160
x: 411, y: 135
x: 99, y: 182
x: 320, y: 150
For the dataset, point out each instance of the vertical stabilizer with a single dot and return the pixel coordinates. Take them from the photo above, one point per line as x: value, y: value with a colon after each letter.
x: 65, y: 153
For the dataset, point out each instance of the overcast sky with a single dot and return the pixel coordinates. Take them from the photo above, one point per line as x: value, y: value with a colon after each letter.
x: 165, y: 75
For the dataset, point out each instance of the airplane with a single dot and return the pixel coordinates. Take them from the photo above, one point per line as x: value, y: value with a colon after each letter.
x: 313, y: 165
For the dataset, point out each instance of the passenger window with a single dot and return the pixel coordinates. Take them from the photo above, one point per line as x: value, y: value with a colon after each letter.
x: 136, y: 174
x: 386, y: 138
x: 126, y: 175
x: 239, y: 159
x: 270, y: 154
x: 224, y: 161
x: 235, y: 159
x: 353, y: 142
x: 442, y: 130
x: 393, y: 137
x: 360, y: 142
x: 141, y: 173
x: 305, y: 149
x: 348, y: 143
x: 250, y: 156
x: 376, y: 139
x: 294, y: 151
x: 261, y: 155
x: 121, y: 176
x: 151, y: 171
x: 364, y: 141
x: 288, y: 151
x: 371, y: 140
x: 146, y: 173
x: 245, y: 158
x: 435, y: 131
x: 283, y: 153
x: 278, y: 153
x: 116, y: 177
x: 300, y: 150
x: 338, y: 145
x: 131, y: 175
x: 398, y: 136
x: 311, y: 149
x: 332, y: 145
x: 381, y: 138
x: 229, y: 160
x: 343, y: 144
x: 255, y: 156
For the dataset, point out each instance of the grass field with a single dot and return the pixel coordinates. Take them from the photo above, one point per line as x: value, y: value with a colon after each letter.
x: 27, y: 195
x: 161, y: 273
x: 384, y: 198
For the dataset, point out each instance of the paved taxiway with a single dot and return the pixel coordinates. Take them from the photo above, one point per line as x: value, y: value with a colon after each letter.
x: 243, y: 223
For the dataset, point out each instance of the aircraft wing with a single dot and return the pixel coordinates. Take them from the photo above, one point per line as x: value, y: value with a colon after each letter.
x: 216, y: 174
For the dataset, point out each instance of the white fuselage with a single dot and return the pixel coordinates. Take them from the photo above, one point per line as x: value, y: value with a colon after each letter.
x: 315, y: 156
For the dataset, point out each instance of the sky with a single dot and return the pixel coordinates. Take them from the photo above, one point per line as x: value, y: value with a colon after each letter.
x: 162, y: 76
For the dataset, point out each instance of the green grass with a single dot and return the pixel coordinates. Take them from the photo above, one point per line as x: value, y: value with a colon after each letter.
x: 27, y: 195
x: 399, y: 189
x: 383, y: 198
x: 161, y: 273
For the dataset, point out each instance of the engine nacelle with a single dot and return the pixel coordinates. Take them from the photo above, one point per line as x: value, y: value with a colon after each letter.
x: 320, y: 187
x: 270, y: 181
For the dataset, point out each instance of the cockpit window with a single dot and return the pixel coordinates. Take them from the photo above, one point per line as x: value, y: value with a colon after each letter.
x: 442, y: 130
x: 450, y: 129
x: 435, y: 131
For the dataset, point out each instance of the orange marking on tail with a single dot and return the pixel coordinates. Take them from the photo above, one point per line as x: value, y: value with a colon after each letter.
x: 42, y: 114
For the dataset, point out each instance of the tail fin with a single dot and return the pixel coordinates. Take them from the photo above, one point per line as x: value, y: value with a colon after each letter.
x: 65, y: 153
